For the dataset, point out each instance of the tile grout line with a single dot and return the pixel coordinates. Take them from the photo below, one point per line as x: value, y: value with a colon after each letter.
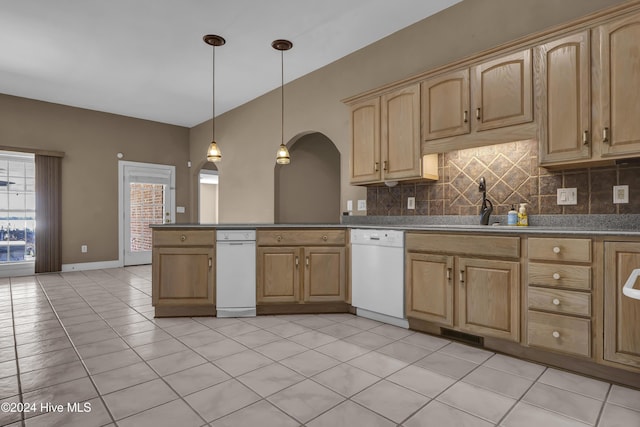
x: 535, y: 381
x: 604, y: 403
x: 15, y: 349
x: 75, y: 349
x: 137, y: 354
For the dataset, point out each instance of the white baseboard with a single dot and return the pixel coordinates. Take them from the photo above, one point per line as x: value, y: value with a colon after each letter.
x: 15, y: 269
x: 91, y: 265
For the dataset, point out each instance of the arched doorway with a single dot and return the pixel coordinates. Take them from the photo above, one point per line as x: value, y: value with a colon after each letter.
x: 208, y: 194
x: 308, y: 189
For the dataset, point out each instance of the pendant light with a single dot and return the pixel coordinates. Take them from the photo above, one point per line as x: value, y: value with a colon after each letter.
x: 282, y: 157
x: 213, y: 153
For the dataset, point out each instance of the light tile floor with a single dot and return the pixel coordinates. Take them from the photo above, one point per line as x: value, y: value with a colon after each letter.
x: 90, y: 337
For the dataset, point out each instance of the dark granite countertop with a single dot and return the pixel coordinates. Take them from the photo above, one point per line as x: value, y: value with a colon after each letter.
x: 583, y: 225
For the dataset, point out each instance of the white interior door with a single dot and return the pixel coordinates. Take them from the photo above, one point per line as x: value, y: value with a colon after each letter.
x: 147, y: 197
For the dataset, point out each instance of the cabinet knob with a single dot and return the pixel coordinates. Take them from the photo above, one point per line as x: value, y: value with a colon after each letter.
x: 555, y: 334
x: 183, y: 238
x: 279, y: 238
x: 556, y: 276
x: 556, y: 249
x: 556, y: 301
x: 324, y: 238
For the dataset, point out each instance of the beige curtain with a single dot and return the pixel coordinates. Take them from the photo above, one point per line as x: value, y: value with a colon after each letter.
x: 48, y: 214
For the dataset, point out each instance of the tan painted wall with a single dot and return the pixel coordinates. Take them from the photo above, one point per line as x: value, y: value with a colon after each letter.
x: 208, y: 203
x: 90, y: 141
x: 308, y: 189
x: 250, y: 134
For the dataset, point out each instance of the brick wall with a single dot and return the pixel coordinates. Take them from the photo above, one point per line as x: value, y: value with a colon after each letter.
x: 147, y: 207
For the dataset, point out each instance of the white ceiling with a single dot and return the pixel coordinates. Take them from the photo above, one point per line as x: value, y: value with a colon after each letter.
x: 146, y: 58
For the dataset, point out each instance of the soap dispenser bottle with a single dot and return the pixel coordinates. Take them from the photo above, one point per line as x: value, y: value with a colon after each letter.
x: 523, y: 219
x: 512, y: 216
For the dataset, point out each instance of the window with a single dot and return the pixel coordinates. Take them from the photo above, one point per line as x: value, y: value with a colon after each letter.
x: 147, y: 207
x: 17, y: 207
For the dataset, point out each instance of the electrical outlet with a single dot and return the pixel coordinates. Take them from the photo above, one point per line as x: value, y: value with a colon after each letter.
x: 362, y: 205
x: 349, y: 205
x: 83, y: 249
x: 411, y: 202
x: 620, y: 194
x: 567, y: 196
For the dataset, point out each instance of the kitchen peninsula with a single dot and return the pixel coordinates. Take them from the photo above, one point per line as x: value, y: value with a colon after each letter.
x: 547, y: 293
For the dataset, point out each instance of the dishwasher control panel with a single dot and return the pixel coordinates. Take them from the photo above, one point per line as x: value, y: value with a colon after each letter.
x: 236, y: 235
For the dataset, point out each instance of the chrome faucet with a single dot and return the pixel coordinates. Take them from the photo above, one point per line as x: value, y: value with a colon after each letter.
x: 485, y: 211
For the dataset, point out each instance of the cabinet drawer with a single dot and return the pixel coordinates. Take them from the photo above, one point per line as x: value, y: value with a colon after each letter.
x: 301, y: 237
x: 567, y: 302
x: 184, y: 237
x: 560, y: 333
x: 462, y: 244
x: 552, y: 249
x: 560, y: 275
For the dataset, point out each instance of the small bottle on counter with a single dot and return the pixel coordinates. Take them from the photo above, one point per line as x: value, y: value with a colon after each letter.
x: 512, y: 216
x: 523, y: 219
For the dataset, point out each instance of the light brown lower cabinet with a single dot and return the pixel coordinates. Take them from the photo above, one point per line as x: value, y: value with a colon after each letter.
x: 475, y: 295
x: 292, y: 273
x: 183, y: 273
x: 621, y: 313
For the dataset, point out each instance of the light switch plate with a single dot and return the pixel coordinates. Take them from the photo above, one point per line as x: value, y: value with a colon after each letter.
x: 411, y: 202
x: 83, y: 249
x: 349, y: 205
x: 362, y: 205
x: 567, y: 196
x: 179, y: 209
x: 620, y: 194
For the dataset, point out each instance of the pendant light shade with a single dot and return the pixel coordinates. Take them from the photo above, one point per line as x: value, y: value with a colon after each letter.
x: 282, y: 157
x: 213, y: 153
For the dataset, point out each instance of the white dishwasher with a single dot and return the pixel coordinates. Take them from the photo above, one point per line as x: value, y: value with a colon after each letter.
x: 377, y: 275
x: 236, y: 273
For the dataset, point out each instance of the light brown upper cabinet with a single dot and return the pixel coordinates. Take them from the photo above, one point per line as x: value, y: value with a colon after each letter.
x: 401, y: 134
x: 445, y: 105
x: 563, y: 69
x: 365, y: 142
x: 385, y: 137
x: 502, y: 91
x: 489, y: 103
x: 615, y: 92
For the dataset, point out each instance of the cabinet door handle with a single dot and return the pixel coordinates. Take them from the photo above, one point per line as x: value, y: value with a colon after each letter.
x: 306, y: 261
x: 605, y: 135
x: 384, y: 166
x: 297, y: 262
x: 462, y: 277
x: 478, y: 116
x: 465, y: 116
x: 585, y: 137
x: 183, y: 238
x: 210, y: 263
x: 279, y: 238
x: 376, y: 166
x: 449, y: 274
x: 325, y: 238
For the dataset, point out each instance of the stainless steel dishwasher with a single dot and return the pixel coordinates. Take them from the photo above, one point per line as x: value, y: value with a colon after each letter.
x: 236, y: 273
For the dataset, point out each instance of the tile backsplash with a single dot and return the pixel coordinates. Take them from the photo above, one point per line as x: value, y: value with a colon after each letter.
x: 513, y: 176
